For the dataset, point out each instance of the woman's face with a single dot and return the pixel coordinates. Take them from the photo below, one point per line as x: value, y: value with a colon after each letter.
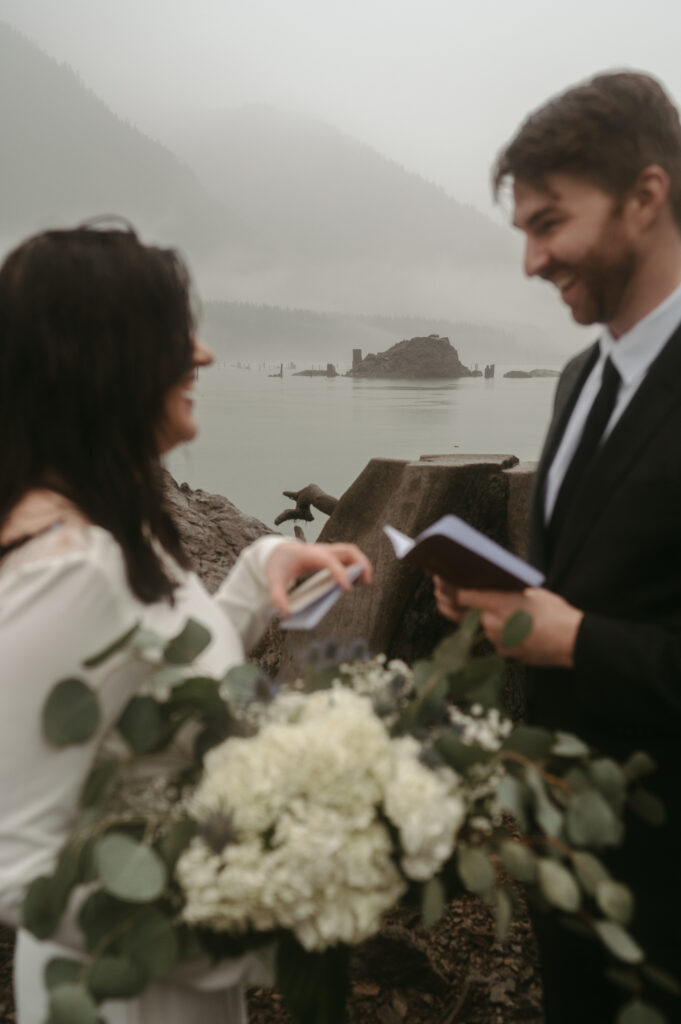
x: 178, y: 423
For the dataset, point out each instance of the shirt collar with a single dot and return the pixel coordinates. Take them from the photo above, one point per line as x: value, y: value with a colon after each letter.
x: 635, y: 350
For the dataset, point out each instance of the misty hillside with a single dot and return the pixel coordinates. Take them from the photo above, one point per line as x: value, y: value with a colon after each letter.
x: 239, y: 331
x: 316, y: 193
x: 66, y: 157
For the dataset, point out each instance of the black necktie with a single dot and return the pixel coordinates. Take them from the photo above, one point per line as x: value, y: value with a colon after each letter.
x: 596, y: 422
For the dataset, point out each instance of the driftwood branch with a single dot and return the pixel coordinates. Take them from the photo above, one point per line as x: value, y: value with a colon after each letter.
x: 312, y: 495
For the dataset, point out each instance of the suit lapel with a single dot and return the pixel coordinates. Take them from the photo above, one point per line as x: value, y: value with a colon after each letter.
x: 652, y: 403
x: 569, y: 388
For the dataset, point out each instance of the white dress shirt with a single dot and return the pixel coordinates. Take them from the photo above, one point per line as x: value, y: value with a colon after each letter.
x: 632, y: 353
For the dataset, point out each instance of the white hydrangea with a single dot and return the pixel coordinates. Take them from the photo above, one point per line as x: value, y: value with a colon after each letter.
x: 305, y: 798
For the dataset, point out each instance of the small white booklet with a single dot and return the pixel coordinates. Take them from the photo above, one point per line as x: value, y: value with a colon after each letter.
x: 465, y: 557
x: 310, y: 600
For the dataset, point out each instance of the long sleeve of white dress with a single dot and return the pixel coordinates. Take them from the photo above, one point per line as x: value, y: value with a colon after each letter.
x: 64, y: 596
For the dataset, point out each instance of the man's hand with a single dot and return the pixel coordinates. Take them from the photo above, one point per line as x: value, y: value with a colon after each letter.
x: 555, y: 623
x: 291, y: 559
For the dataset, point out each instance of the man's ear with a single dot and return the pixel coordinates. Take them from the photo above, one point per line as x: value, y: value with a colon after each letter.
x: 650, y: 194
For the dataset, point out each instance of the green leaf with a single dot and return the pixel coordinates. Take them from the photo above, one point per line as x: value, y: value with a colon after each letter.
x: 452, y: 653
x: 71, y: 713
x: 648, y: 807
x: 615, y: 900
x: 591, y: 821
x: 512, y: 796
x: 176, y: 840
x: 144, y: 724
x: 530, y: 741
x: 609, y: 778
x: 246, y: 683
x: 188, y: 644
x: 112, y: 649
x: 590, y: 871
x: 153, y: 944
x: 518, y: 860
x: 567, y: 745
x: 459, y: 755
x: 624, y: 977
x: 422, y: 674
x: 198, y: 692
x: 41, y: 909
x: 115, y: 977
x: 639, y: 765
x: 59, y: 971
x: 558, y: 885
x: 129, y: 870
x: 102, y: 914
x: 619, y: 942
x: 663, y: 979
x: 549, y: 818
x: 433, y: 902
x: 98, y: 783
x: 70, y: 1003
x: 638, y: 1012
x: 502, y: 908
x: 516, y: 629
x: 314, y: 985
x: 487, y: 670
x: 475, y: 870
x: 487, y: 694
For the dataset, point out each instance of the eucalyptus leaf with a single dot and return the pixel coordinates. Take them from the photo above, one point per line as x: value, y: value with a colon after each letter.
x: 115, y: 977
x: 113, y: 648
x: 648, y: 807
x: 42, y: 907
x: 144, y: 724
x: 615, y: 900
x: 619, y: 942
x: 558, y: 885
x: 422, y: 674
x: 459, y: 755
x: 487, y: 669
x: 567, y: 745
x: 638, y: 1012
x: 71, y: 1003
x: 199, y: 692
x: 188, y: 644
x: 487, y: 694
x: 549, y: 818
x: 452, y: 653
x: 176, y: 840
x: 513, y: 796
x: 59, y: 971
x: 516, y: 629
x: 591, y: 821
x: 519, y: 860
x: 475, y: 870
x: 502, y: 907
x: 639, y: 765
x: 129, y: 870
x: 590, y: 871
x: 529, y: 740
x: 314, y: 985
x: 663, y: 979
x: 71, y: 713
x: 246, y: 683
x: 98, y: 783
x: 627, y: 978
x: 153, y: 944
x: 102, y: 914
x: 433, y: 902
x: 609, y: 778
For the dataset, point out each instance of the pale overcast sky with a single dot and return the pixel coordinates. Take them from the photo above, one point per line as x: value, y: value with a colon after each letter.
x: 437, y: 85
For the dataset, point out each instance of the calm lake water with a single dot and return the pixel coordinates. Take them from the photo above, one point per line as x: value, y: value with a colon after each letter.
x: 260, y: 435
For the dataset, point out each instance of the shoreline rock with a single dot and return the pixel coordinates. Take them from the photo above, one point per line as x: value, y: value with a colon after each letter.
x: 412, y: 359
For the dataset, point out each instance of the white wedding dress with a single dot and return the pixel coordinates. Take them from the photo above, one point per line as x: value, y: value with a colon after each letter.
x: 64, y: 596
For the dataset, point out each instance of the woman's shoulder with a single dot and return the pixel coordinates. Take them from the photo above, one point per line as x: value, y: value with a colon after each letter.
x: 45, y: 531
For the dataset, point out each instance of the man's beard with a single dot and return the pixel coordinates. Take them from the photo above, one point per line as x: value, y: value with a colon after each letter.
x: 605, y: 279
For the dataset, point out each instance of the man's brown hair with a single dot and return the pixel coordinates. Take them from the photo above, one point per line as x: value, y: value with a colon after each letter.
x: 605, y: 131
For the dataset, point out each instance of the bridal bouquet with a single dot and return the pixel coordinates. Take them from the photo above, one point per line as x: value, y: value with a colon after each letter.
x: 227, y: 815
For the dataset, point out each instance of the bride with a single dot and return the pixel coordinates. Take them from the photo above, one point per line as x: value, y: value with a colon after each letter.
x: 97, y: 364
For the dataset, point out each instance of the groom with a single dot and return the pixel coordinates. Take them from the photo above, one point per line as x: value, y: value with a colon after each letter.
x: 596, y: 177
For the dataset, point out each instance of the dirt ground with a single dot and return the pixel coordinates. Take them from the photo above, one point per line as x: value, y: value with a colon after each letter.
x: 453, y: 974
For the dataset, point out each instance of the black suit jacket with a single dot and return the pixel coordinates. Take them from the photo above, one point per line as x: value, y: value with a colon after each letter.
x: 618, y: 558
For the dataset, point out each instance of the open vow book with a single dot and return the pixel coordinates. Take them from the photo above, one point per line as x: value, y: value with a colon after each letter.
x: 310, y: 600
x: 452, y: 549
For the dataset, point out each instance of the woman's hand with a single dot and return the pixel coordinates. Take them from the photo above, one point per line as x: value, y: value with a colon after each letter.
x: 555, y: 623
x: 291, y: 559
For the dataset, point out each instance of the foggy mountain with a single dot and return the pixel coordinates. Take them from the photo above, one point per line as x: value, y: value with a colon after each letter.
x: 237, y: 331
x: 66, y: 157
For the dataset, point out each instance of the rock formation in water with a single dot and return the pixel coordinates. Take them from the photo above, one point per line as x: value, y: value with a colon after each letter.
x: 413, y: 359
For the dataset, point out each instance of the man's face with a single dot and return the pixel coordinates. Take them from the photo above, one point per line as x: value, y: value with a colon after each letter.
x: 579, y: 239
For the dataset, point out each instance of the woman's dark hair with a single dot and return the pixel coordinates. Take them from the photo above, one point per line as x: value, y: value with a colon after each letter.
x: 95, y: 328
